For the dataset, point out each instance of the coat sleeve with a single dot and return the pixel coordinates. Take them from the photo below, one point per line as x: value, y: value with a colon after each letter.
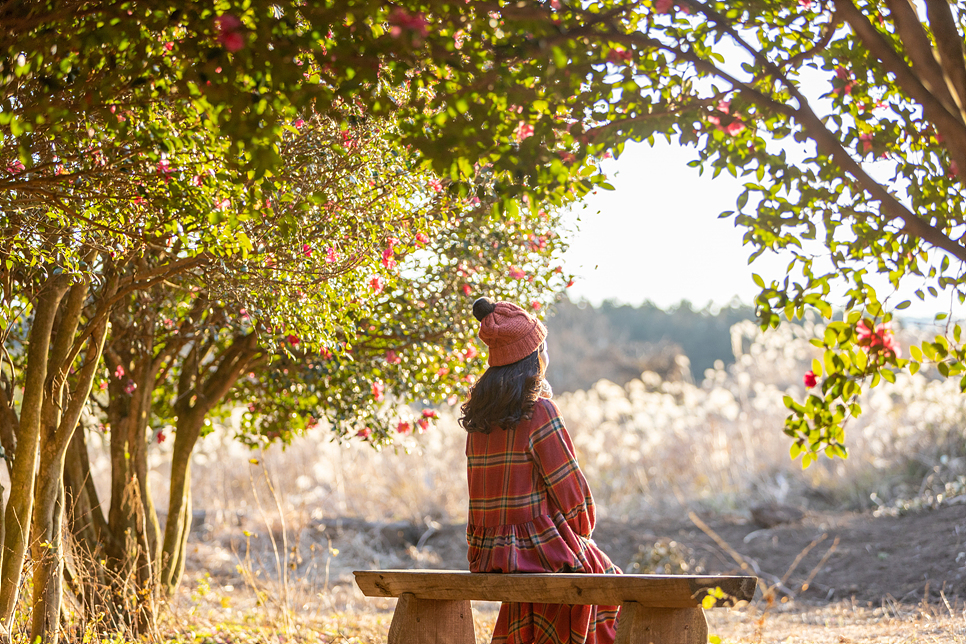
x: 553, y: 454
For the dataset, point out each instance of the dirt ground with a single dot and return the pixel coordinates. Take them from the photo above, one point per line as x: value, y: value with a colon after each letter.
x: 866, y: 576
x: 840, y: 555
x: 822, y: 558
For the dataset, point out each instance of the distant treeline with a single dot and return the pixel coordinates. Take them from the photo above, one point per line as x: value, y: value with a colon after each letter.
x: 619, y: 342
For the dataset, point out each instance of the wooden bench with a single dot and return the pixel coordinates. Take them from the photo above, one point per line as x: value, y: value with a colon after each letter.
x: 434, y: 605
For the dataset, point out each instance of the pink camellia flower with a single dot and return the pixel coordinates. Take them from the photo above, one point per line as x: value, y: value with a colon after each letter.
x: 376, y: 284
x: 879, y: 339
x: 403, y: 427
x: 732, y: 126
x: 535, y: 305
x: 306, y: 250
x: 517, y: 273
x: 471, y: 352
x: 401, y: 20
x: 165, y: 170
x: 664, y: 6
x: 103, y: 385
x: 130, y: 387
x: 230, y: 32
x: 365, y: 432
x: 298, y: 123
x: 809, y: 379
x: 421, y: 239
x: 293, y: 339
x: 467, y: 290
x: 378, y: 391
x: 223, y: 204
x: 430, y: 413
x: 387, y: 259
x: 169, y: 45
x: 523, y: 131
x: 619, y: 55
x: 119, y: 372
x: 423, y: 424
x: 866, y: 142
x: 435, y: 185
x: 452, y: 400
x: 15, y: 167
x: 160, y: 436
x: 392, y: 357
x: 330, y: 256
x: 805, y: 4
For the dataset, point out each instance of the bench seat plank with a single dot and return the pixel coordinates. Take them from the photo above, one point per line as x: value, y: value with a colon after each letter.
x: 657, y: 591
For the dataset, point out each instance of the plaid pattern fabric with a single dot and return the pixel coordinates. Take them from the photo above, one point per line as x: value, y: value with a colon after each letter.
x: 532, y: 511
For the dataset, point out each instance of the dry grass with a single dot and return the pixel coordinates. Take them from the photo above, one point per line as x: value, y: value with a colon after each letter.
x: 842, y: 623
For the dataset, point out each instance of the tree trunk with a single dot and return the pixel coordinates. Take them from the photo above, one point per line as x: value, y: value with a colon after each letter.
x: 61, y: 416
x: 223, y: 373
x: 125, y: 517
x: 48, y: 569
x: 1, y: 517
x: 178, y: 525
x: 17, y: 516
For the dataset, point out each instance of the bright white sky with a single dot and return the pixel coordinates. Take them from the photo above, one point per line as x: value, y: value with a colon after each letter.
x: 658, y: 237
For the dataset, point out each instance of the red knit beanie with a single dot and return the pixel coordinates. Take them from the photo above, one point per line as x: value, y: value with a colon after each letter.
x: 510, y: 332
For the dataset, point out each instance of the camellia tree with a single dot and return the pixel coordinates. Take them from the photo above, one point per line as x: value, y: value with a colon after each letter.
x: 348, y: 221
x: 136, y: 141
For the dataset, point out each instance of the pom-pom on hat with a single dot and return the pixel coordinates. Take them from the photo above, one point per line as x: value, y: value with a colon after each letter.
x: 510, y: 332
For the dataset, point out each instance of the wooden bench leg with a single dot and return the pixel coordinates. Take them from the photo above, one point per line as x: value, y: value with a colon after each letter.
x: 640, y: 625
x: 431, y: 621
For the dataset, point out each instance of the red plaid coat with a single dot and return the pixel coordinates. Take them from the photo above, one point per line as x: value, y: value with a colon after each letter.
x: 532, y: 511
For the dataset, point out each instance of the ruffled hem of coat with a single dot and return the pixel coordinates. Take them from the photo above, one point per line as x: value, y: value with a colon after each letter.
x: 544, y: 544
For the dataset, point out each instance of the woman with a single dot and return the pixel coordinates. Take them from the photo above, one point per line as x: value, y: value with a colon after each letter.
x: 530, y: 507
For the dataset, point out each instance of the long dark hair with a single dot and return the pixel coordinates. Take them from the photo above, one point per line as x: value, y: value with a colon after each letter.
x: 503, y: 396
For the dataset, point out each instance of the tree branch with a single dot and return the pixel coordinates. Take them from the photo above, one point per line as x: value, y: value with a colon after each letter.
x: 916, y: 44
x: 950, y: 124
x: 231, y: 364
x: 949, y: 48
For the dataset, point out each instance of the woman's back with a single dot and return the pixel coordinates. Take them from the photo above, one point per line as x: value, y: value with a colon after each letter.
x: 505, y: 487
